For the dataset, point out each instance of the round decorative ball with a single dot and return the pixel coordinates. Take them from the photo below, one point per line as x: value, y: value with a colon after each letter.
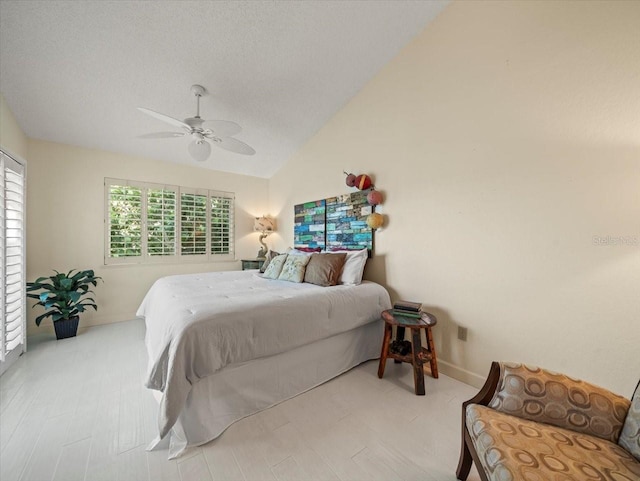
x: 363, y: 182
x: 374, y: 197
x: 351, y: 180
x: 375, y: 220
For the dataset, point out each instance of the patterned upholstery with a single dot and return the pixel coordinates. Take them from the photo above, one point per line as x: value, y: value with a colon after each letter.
x: 275, y: 266
x: 546, y: 397
x: 515, y: 449
x: 630, y: 436
x: 293, y: 268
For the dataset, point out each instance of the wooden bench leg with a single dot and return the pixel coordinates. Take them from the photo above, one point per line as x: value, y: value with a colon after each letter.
x: 385, y: 349
x: 418, y: 372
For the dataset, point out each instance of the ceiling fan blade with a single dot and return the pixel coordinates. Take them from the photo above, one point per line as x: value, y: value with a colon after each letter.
x: 233, y: 145
x: 166, y: 118
x: 222, y: 128
x: 162, y: 135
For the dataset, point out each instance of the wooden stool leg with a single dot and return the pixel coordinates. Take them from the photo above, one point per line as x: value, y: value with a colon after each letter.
x: 399, y: 337
x: 433, y: 363
x: 385, y: 349
x: 418, y: 373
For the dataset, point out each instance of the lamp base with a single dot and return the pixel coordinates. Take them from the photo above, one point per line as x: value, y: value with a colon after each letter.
x: 262, y: 253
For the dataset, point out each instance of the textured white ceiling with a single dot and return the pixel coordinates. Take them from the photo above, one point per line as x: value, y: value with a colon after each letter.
x: 75, y: 71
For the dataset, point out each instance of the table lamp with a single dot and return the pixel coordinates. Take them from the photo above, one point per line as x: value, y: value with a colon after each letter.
x: 266, y: 225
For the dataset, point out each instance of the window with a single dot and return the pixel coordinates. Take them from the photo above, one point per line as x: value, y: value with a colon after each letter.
x: 125, y: 221
x: 12, y: 260
x: 221, y: 224
x: 158, y: 223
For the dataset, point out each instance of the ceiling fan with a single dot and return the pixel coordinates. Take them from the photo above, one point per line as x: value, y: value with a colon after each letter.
x: 219, y: 132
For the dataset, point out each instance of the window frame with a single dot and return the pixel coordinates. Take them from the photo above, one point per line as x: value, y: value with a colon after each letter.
x: 178, y: 256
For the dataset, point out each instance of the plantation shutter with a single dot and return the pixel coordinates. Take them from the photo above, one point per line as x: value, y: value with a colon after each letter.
x: 154, y: 223
x: 161, y: 221
x: 12, y: 264
x: 124, y: 232
x: 193, y: 222
x: 222, y: 224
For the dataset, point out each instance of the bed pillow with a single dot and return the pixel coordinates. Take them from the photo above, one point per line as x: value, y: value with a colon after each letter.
x: 297, y: 252
x: 353, y: 266
x: 268, y: 258
x: 275, y: 266
x: 325, y: 269
x: 293, y: 268
x: 308, y: 249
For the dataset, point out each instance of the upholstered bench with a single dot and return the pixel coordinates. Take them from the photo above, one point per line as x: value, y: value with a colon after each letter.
x: 529, y: 424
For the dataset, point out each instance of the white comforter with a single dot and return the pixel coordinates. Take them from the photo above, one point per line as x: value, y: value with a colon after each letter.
x: 199, y: 323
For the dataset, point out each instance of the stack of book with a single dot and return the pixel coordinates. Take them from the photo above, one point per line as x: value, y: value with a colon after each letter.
x: 407, y: 309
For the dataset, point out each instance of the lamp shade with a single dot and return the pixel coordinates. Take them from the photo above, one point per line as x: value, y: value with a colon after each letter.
x: 264, y: 224
x: 199, y: 150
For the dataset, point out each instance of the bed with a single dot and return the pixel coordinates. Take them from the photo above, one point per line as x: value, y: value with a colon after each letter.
x: 225, y: 345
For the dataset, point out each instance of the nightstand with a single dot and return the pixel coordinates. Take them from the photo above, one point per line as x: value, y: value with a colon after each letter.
x: 413, y: 352
x: 251, y: 263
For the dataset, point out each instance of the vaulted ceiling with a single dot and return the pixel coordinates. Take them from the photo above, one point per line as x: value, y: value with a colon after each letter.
x: 75, y: 71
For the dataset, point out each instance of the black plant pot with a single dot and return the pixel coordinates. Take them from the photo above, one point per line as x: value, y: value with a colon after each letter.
x: 66, y: 328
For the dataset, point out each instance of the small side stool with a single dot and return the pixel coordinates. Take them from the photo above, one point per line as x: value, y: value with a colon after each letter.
x: 414, y: 354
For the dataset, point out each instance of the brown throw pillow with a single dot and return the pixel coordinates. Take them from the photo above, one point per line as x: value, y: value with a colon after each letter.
x: 324, y: 269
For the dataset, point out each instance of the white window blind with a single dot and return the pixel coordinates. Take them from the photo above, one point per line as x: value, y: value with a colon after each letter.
x: 12, y: 264
x: 147, y: 223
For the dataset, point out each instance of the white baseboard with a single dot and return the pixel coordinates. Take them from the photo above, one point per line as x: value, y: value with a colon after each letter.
x: 460, y: 374
x: 47, y: 326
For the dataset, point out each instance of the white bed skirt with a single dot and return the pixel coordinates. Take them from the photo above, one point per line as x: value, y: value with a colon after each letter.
x: 239, y: 390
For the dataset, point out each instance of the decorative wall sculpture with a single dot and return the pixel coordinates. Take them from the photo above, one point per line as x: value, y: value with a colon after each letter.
x: 374, y: 197
x: 342, y: 222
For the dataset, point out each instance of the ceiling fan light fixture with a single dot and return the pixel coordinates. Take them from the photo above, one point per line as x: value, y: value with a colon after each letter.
x: 199, y: 150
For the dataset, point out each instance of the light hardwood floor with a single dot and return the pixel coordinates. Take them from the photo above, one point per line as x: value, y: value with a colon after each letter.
x: 77, y: 410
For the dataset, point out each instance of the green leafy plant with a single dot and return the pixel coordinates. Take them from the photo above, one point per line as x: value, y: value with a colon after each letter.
x: 64, y: 295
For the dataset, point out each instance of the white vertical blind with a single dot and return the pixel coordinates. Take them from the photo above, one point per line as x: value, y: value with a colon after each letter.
x: 12, y: 264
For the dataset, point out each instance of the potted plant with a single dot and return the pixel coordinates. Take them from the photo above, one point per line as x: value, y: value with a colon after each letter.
x: 64, y: 296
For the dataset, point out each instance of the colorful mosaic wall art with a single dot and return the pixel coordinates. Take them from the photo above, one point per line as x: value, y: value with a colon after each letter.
x: 309, y: 224
x: 347, y: 222
x: 336, y: 222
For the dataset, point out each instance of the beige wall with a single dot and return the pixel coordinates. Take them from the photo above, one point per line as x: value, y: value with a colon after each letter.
x: 65, y: 214
x: 505, y: 137
x: 12, y: 139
